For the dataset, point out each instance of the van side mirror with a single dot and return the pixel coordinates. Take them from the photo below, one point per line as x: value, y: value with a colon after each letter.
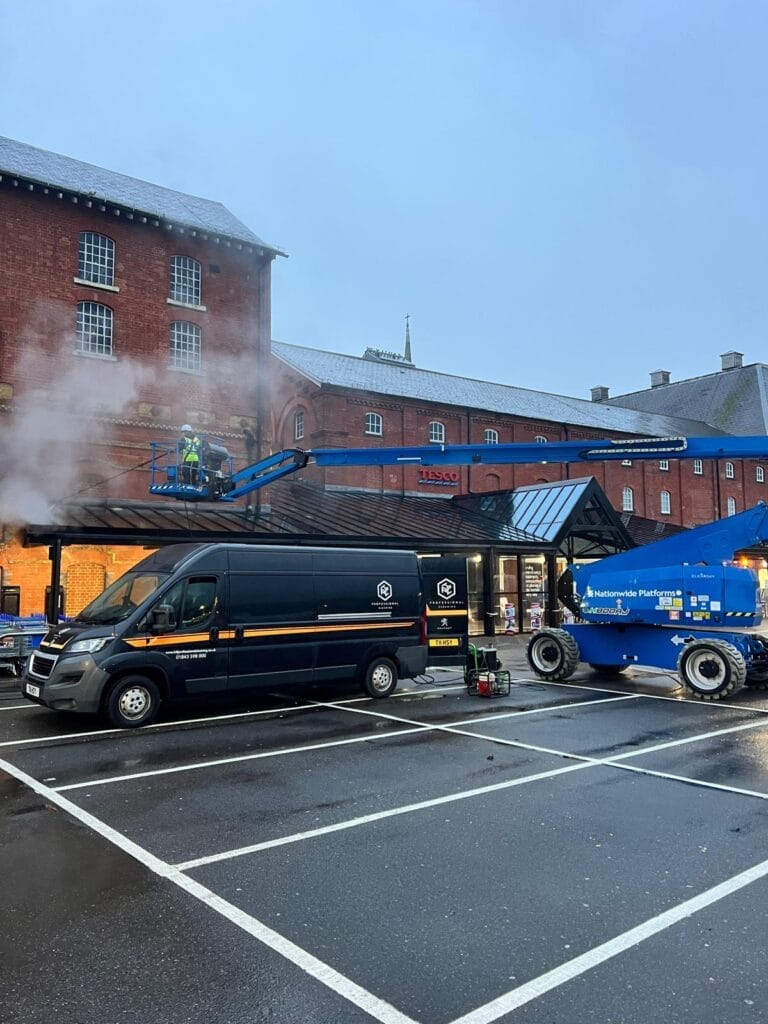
x: 162, y: 619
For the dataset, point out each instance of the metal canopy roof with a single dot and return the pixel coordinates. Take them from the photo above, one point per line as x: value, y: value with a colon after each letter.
x: 572, y: 516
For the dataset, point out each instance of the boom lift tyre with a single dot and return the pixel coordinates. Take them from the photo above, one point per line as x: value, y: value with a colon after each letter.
x: 711, y: 669
x: 132, y: 701
x: 553, y: 654
x: 380, y: 678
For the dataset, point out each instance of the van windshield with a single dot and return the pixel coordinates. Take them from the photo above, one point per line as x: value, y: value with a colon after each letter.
x: 122, y: 598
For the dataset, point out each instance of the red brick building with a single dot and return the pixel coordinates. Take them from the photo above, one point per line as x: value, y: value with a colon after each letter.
x: 326, y: 400
x: 126, y: 309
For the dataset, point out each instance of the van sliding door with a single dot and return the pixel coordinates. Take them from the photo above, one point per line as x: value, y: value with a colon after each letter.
x: 272, y: 618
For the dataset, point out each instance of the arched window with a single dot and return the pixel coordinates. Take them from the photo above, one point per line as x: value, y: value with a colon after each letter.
x: 493, y: 481
x: 373, y: 424
x: 298, y: 425
x: 730, y: 505
x: 491, y: 436
x: 436, y: 432
x: 186, y: 345
x: 627, y: 500
x: 185, y: 281
x: 540, y: 439
x: 96, y: 258
x: 665, y: 503
x: 729, y: 471
x: 94, y: 329
x: 760, y: 474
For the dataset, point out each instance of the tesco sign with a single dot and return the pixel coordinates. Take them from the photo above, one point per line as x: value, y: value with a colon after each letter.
x: 441, y: 477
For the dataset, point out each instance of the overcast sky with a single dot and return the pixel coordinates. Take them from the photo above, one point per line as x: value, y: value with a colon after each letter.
x: 561, y: 193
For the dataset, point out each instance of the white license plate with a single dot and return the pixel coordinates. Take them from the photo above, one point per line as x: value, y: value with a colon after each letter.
x: 33, y: 691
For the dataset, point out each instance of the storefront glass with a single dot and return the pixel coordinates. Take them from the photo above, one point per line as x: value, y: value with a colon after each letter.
x: 506, y: 594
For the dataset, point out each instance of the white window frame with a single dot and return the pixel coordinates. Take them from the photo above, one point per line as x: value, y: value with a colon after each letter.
x: 627, y: 499
x: 94, y: 329
x: 759, y: 474
x: 298, y: 425
x: 491, y: 436
x: 729, y: 474
x: 185, y: 288
x: 665, y: 503
x: 730, y: 506
x: 664, y: 465
x: 96, y: 259
x: 626, y: 462
x: 374, y: 424
x: 186, y: 346
x: 436, y: 432
x: 540, y: 439
x: 698, y: 467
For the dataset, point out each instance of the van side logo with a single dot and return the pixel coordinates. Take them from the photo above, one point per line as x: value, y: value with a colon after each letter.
x: 446, y: 589
x: 384, y: 590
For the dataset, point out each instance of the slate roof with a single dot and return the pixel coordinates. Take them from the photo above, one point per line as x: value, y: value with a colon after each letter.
x: 63, y: 172
x: 332, y: 368
x: 732, y: 401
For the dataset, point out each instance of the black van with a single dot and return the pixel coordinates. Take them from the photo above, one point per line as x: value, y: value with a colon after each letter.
x: 202, y: 620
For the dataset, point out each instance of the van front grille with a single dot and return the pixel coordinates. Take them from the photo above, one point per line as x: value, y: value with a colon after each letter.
x: 41, y: 665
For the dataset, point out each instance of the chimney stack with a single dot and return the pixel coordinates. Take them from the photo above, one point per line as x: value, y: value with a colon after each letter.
x: 731, y: 360
x: 659, y: 378
x: 599, y: 394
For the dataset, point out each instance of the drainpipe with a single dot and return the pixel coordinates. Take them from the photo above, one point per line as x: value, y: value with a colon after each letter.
x: 54, y: 553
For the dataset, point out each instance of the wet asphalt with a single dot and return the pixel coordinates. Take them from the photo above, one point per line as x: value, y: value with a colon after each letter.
x: 565, y: 854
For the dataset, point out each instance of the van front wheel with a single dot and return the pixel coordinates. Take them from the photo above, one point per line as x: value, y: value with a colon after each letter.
x: 380, y: 678
x: 133, y: 701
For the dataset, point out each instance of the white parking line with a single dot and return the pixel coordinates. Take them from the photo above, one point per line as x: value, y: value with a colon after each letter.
x: 169, y: 726
x: 239, y: 758
x: 343, y: 986
x: 585, y: 762
x: 592, y: 958
x: 689, y: 702
x: 21, y: 707
x: 416, y: 727
x: 378, y: 1008
x: 702, y: 783
x: 451, y: 729
x: 368, y: 819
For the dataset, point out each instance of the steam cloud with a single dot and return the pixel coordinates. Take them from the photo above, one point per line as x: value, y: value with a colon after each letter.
x: 63, y: 407
x: 51, y: 427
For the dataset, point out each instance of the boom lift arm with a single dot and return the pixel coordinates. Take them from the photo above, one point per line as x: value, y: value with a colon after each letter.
x: 229, y: 486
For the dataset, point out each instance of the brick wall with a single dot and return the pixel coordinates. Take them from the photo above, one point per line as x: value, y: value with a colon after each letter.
x: 38, y: 366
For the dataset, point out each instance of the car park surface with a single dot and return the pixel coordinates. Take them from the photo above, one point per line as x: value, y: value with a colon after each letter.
x: 589, y: 851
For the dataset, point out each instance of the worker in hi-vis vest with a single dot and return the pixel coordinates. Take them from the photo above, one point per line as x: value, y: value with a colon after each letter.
x: 189, y: 450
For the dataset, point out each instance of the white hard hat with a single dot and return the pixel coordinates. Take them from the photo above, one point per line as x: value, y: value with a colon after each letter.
x: 186, y: 429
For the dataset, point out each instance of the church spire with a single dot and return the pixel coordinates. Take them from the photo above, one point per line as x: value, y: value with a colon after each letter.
x: 408, y: 338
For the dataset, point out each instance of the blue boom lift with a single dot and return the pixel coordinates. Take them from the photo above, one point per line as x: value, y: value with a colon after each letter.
x: 680, y: 603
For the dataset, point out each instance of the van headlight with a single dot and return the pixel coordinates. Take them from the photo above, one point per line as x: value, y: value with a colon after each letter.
x: 88, y: 646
